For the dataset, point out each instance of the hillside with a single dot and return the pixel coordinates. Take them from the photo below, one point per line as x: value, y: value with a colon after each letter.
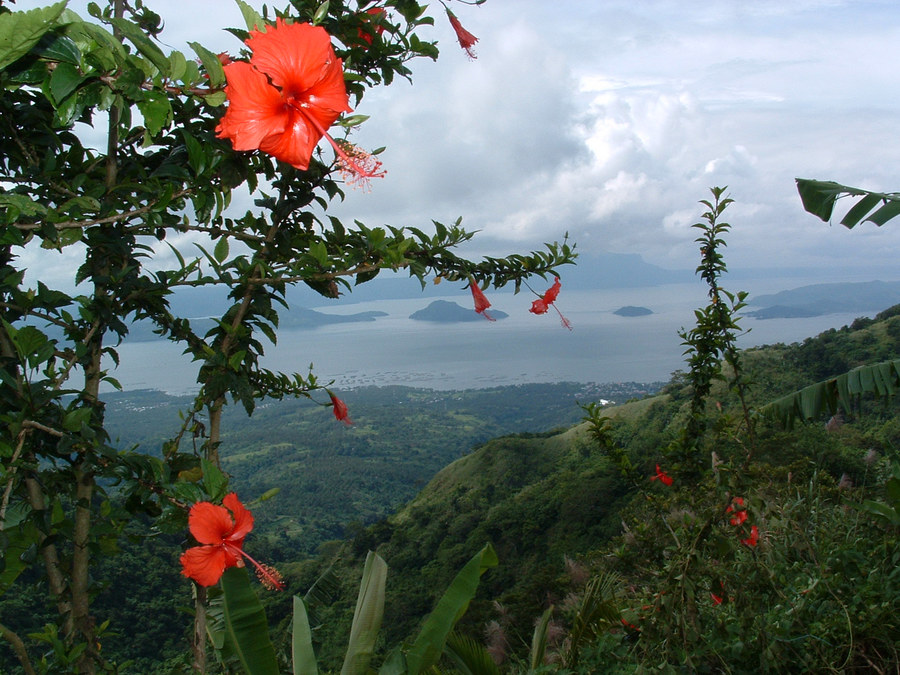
x: 546, y: 500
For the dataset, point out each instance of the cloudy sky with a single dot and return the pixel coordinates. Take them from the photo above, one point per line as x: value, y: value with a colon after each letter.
x: 609, y: 119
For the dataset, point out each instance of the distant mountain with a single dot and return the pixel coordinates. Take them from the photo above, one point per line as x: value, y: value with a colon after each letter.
x: 296, y: 317
x: 820, y: 299
x: 631, y: 310
x: 444, y: 311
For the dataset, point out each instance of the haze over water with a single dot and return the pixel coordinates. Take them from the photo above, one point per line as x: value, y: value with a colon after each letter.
x: 524, y: 348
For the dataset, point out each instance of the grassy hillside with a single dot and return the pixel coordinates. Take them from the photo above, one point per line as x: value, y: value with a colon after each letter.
x: 557, y: 507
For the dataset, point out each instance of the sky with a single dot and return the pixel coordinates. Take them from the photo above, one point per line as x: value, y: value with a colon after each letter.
x: 610, y: 119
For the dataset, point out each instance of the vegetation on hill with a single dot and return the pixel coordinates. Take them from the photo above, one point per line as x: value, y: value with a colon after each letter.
x: 625, y: 546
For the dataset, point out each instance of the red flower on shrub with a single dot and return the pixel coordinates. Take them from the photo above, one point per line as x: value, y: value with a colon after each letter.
x: 753, y: 539
x: 373, y: 24
x: 221, y: 531
x: 481, y: 302
x: 341, y: 413
x: 284, y: 100
x: 466, y: 39
x: 661, y: 476
x: 717, y: 600
x: 739, y: 518
x: 541, y: 305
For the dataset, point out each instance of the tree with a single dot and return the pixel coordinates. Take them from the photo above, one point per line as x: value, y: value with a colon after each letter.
x: 185, y: 136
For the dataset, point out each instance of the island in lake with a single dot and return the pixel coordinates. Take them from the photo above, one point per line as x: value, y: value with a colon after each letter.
x: 631, y: 310
x: 444, y: 311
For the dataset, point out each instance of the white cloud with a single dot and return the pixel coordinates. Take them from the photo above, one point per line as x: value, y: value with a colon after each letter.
x: 611, y: 120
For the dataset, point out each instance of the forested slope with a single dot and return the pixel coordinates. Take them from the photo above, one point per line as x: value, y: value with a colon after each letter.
x: 559, y: 506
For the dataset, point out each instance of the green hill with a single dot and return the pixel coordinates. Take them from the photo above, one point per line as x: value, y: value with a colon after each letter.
x: 547, y: 500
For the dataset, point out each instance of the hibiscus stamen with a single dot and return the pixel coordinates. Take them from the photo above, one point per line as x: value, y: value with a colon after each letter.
x: 268, y: 575
x: 356, y: 165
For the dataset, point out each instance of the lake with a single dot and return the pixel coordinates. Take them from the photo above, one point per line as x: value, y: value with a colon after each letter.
x: 602, y: 347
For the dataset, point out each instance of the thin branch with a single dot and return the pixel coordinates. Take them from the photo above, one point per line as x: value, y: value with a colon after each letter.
x: 76, y: 224
x: 12, y: 474
x: 19, y: 648
x: 43, y: 427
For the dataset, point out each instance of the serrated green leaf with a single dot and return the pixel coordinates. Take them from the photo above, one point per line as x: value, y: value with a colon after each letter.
x: 64, y: 80
x: 144, y: 45
x: 21, y: 204
x: 20, y: 31
x: 220, y: 252
x: 215, y: 482
x: 211, y: 64
x: 251, y: 17
x: 177, y: 65
x: 157, y: 111
x: 60, y: 48
x: 216, y: 98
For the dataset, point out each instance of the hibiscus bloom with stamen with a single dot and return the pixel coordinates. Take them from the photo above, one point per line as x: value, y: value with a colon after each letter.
x: 285, y: 99
x: 465, y: 38
x: 545, y: 301
x: 221, y: 530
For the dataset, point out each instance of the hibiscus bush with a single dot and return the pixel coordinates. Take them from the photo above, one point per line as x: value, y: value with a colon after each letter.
x: 142, y: 170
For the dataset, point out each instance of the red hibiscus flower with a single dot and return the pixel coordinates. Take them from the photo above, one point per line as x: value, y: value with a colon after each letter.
x: 738, y: 518
x: 753, y: 539
x: 481, y: 302
x: 662, y: 476
x: 373, y: 25
x: 341, y: 413
x: 221, y: 531
x: 284, y: 100
x: 543, y: 303
x: 466, y: 39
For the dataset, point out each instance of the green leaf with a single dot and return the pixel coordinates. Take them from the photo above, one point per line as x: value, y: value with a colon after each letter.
x: 144, y: 45
x: 819, y: 198
x: 20, y: 31
x: 427, y: 648
x: 220, y: 252
x: 20, y: 204
x: 197, y: 158
x: 177, y: 65
x: 211, y: 64
x: 880, y: 379
x: 251, y: 17
x: 215, y: 482
x: 321, y: 13
x: 366, y: 617
x: 216, y: 98
x: 157, y: 111
x: 246, y: 624
x: 64, y: 80
x: 59, y: 48
x: 469, y: 656
x: 303, y: 655
x: 539, y: 641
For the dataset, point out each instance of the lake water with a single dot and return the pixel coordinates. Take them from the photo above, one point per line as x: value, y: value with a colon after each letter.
x: 602, y: 347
